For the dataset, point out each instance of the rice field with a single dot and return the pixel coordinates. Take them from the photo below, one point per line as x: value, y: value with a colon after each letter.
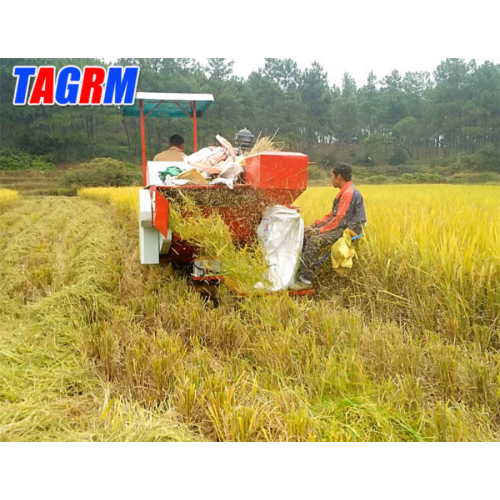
x: 432, y: 254
x: 95, y: 347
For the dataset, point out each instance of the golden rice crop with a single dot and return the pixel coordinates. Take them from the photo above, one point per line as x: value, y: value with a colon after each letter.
x: 7, y: 198
x: 125, y: 200
x: 281, y: 369
x: 431, y: 253
x: 262, y: 369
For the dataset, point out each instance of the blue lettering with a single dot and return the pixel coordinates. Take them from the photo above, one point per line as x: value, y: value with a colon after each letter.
x: 24, y: 74
x: 66, y: 92
x: 119, y: 88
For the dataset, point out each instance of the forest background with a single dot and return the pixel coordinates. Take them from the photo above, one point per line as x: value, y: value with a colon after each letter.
x: 416, y: 127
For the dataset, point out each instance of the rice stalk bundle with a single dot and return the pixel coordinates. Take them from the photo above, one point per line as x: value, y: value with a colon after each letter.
x: 265, y: 144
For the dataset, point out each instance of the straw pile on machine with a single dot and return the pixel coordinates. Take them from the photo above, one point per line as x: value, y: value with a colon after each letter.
x: 216, y: 165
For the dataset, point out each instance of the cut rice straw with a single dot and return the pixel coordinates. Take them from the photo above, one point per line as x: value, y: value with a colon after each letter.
x: 244, y: 268
x: 265, y: 145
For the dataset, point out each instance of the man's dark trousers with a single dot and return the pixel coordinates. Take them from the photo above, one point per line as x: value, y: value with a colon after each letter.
x: 315, y: 247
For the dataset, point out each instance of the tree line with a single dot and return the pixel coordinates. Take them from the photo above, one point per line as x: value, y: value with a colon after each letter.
x: 418, y: 115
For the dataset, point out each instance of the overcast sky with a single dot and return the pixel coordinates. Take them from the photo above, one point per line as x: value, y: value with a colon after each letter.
x: 354, y: 37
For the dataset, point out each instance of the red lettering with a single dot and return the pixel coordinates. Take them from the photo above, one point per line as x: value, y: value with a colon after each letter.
x: 93, y: 79
x: 43, y: 87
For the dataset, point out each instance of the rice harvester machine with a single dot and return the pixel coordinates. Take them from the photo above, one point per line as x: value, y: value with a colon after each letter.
x: 274, y: 178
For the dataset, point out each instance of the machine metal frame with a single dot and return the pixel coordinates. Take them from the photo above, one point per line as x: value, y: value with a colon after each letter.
x: 271, y: 179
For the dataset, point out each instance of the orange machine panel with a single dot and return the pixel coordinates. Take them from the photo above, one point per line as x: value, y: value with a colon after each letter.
x: 160, y: 212
x: 277, y: 171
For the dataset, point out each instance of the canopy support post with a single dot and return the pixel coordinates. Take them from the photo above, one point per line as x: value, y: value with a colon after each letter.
x: 195, y: 122
x: 144, y: 162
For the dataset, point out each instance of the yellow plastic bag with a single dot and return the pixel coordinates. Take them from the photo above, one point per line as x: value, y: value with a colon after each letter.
x: 343, y: 254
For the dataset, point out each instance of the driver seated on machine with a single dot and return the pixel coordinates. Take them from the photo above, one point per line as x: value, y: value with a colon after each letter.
x: 348, y: 213
x: 176, y: 151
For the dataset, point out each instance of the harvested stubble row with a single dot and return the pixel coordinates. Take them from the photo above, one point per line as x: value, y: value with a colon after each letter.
x: 59, y: 271
x: 281, y: 369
